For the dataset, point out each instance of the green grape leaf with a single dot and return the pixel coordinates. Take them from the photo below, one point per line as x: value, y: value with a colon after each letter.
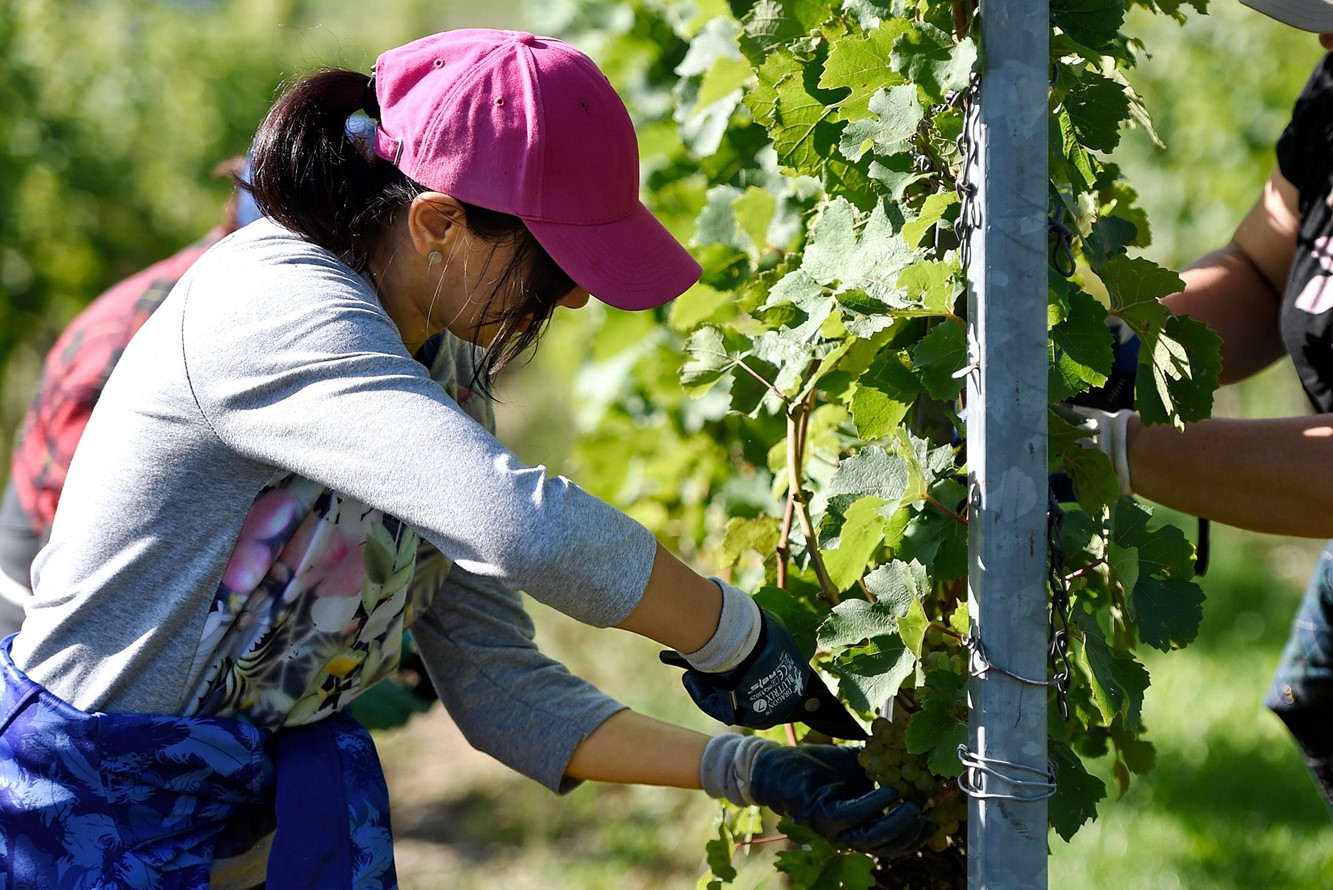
x: 1166, y: 551
x: 1184, y: 365
x: 1077, y: 792
x: 897, y: 584
x: 724, y: 80
x: 1097, y: 106
x: 709, y: 360
x: 700, y: 304
x: 754, y: 211
x: 883, y: 394
x: 716, y: 223
x: 959, y: 621
x: 932, y: 59
x: 932, y: 212
x: 759, y: 535
x: 875, y: 471
x: 898, y: 113
x: 1137, y: 753
x: 1168, y: 611
x: 802, y: 615
x: 1135, y: 286
x: 930, y: 287
x: 1089, y: 469
x: 1124, y: 563
x: 1072, y: 151
x: 771, y: 23
x: 855, y: 622
x: 896, y: 173
x: 832, y: 244
x: 937, y: 539
x: 1117, y: 681
x: 750, y: 387
x: 802, y: 120
x: 1093, y: 23
x: 1083, y: 348
x: 1110, y: 236
x: 876, y: 412
x: 937, y: 723
x: 860, y: 63
x: 860, y: 535
x: 818, y: 864
x: 718, y: 852
x: 939, y: 356
x: 912, y: 627
x: 868, y: 677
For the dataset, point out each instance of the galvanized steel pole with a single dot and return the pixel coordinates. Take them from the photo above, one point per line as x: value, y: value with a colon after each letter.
x: 1006, y: 448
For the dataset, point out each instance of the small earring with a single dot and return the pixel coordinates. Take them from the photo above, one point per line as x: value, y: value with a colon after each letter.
x: 434, y: 258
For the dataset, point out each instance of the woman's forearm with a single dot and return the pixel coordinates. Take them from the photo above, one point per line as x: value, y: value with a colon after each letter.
x: 1262, y: 475
x: 679, y: 607
x: 632, y: 748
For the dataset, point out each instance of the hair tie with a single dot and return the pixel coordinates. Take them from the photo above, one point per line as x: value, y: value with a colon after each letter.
x: 370, y: 104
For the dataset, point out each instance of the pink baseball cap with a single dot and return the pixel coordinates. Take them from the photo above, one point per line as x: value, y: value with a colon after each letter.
x: 529, y: 126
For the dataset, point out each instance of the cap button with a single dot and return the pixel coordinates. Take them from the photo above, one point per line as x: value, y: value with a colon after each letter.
x: 525, y: 38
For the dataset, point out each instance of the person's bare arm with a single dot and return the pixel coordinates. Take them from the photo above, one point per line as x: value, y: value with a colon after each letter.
x: 1236, y: 289
x: 633, y: 748
x: 679, y: 607
x: 1262, y: 475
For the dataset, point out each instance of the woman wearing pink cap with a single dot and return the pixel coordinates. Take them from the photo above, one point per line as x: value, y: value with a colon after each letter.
x: 293, y: 463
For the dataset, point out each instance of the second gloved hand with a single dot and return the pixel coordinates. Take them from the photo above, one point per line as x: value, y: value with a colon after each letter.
x: 765, y: 680
x: 821, y: 787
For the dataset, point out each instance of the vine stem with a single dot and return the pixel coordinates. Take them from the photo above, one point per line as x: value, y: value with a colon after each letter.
x: 784, y: 542
x: 798, y: 420
x: 760, y: 377
x: 756, y: 841
x: 952, y: 514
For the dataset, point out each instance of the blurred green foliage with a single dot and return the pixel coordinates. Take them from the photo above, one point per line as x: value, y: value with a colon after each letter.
x: 1220, y: 89
x: 116, y: 114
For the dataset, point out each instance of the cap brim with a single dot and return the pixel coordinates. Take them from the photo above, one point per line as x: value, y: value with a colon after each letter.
x: 1308, y: 15
x: 632, y: 263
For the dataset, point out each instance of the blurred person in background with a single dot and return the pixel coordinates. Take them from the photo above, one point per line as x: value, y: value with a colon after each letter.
x: 1268, y: 293
x: 294, y: 462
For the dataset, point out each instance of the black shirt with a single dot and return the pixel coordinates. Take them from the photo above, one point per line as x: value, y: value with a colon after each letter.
x: 1305, y: 158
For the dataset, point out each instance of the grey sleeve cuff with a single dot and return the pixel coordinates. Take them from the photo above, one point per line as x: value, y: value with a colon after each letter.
x: 736, y: 635
x: 727, y: 763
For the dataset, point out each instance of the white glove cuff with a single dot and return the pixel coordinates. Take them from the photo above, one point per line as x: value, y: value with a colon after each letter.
x: 1115, y: 441
x: 736, y: 635
x: 728, y: 761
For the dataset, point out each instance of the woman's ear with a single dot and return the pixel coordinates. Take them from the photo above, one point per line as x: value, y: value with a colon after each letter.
x: 435, y: 221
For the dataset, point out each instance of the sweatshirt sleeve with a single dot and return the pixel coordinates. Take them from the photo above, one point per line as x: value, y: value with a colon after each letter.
x: 507, y: 698
x: 293, y: 363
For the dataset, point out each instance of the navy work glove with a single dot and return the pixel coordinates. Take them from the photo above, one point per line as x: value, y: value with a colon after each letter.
x: 773, y: 685
x: 821, y: 787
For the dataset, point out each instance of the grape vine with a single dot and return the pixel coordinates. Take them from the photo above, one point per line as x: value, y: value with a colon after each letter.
x: 796, y: 419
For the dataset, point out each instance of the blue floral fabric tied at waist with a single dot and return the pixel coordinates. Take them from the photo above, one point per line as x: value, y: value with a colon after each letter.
x: 112, y: 801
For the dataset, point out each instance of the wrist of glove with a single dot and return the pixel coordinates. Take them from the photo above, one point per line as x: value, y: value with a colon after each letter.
x: 1109, y: 432
x: 821, y: 787
x: 758, y: 678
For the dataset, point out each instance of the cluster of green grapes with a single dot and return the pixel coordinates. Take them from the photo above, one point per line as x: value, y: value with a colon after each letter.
x: 887, y: 761
x: 942, y: 865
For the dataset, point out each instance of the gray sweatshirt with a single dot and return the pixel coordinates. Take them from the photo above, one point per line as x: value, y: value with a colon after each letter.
x: 273, y: 356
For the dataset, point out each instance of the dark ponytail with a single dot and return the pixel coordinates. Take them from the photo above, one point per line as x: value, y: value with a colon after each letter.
x: 310, y: 177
